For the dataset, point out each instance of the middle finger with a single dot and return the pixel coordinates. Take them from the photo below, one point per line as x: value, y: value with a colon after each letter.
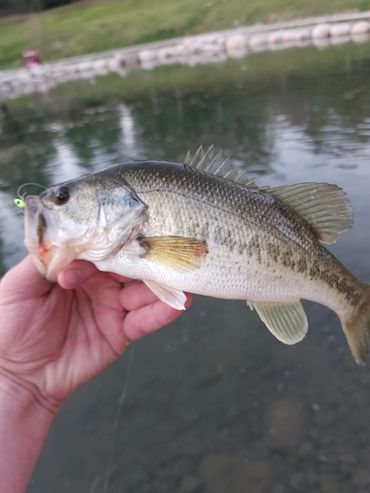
x: 135, y: 295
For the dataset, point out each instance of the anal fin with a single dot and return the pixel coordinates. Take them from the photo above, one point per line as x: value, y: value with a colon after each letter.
x: 171, y: 296
x: 286, y: 321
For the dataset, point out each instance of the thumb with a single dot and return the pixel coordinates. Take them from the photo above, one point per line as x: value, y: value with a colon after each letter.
x: 24, y: 280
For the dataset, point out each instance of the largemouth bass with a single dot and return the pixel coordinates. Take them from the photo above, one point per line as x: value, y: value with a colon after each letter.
x: 202, y: 227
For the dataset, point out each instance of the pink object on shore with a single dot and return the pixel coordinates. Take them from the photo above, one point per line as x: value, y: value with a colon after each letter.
x: 31, y: 58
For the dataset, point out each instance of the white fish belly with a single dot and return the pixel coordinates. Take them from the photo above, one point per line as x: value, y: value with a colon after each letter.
x: 236, y: 280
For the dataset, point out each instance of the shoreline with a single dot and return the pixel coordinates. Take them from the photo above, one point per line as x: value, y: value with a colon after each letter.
x: 190, y: 50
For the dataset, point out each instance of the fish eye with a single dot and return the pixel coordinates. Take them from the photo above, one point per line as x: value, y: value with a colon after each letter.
x: 62, y: 195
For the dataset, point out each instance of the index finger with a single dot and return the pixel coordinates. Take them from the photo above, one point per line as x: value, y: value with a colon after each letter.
x: 150, y: 318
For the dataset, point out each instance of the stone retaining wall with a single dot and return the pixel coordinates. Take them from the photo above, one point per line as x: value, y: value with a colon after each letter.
x: 190, y: 50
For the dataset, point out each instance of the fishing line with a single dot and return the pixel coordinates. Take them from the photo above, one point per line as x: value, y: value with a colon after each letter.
x: 19, y: 200
x: 26, y: 185
x: 117, y: 418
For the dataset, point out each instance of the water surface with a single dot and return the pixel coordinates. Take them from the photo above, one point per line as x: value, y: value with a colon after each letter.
x: 214, y: 402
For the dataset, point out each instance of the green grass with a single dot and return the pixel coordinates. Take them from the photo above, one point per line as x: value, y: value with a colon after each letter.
x: 90, y: 26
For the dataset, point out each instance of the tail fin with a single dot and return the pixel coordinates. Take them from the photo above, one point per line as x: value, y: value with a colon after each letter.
x: 357, y: 328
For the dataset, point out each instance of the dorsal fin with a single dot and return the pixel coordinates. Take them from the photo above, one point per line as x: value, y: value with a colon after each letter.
x: 218, y: 164
x: 325, y: 206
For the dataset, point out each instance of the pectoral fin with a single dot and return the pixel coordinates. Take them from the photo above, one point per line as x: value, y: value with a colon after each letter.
x: 182, y: 254
x: 170, y: 296
x: 286, y: 321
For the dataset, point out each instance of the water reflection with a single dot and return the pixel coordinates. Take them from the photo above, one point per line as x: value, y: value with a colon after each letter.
x: 130, y: 145
x: 215, y: 403
x: 65, y: 165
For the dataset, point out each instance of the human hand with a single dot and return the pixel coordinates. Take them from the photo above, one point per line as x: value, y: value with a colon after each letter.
x: 55, y: 337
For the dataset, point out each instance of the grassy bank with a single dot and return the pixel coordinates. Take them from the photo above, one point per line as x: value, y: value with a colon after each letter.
x: 90, y: 26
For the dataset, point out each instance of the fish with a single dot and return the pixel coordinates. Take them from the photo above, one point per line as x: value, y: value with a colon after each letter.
x: 202, y: 226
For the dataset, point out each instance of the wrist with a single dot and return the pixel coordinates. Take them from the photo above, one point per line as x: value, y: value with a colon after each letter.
x: 22, y: 393
x: 25, y: 420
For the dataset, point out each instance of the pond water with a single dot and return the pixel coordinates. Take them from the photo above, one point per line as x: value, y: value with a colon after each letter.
x: 214, y: 403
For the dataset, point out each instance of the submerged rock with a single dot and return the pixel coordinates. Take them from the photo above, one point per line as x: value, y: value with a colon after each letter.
x: 190, y: 484
x: 330, y: 483
x: 285, y: 424
x: 361, y: 476
x: 278, y: 488
x: 224, y: 473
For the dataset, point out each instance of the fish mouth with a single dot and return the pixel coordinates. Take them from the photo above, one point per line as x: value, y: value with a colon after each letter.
x: 39, y: 231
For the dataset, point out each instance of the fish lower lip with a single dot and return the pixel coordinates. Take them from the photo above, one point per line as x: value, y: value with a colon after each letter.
x: 41, y: 225
x: 35, y: 222
x: 36, y: 226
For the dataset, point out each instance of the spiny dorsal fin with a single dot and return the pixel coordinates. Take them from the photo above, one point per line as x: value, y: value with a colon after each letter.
x: 325, y: 206
x: 182, y: 254
x: 286, y: 321
x: 218, y: 164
